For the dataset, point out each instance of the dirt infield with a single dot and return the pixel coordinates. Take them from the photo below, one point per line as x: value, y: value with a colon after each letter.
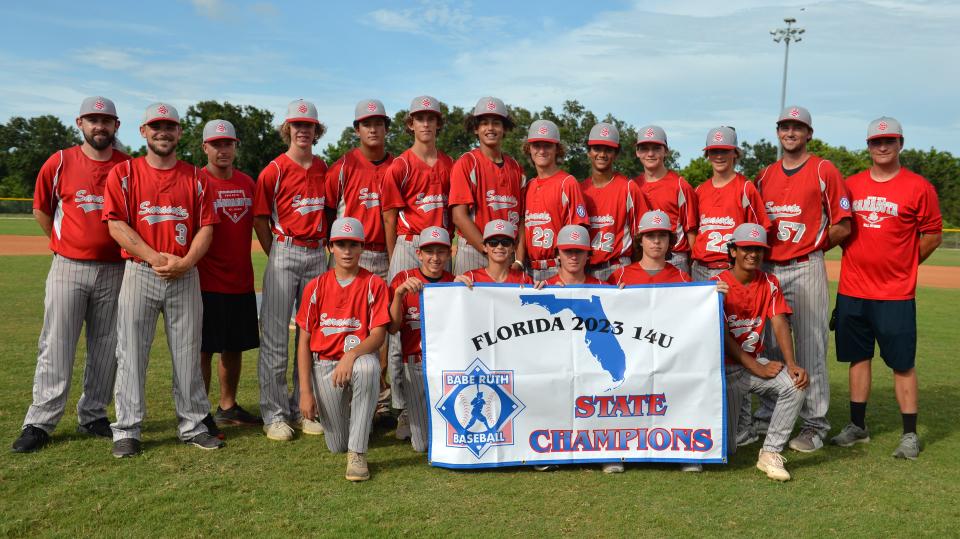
x: 932, y: 276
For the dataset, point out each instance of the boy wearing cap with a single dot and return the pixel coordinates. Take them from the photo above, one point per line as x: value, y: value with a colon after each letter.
x: 83, y: 281
x: 499, y: 245
x: 552, y: 200
x: 753, y: 298
x: 897, y: 226
x: 614, y: 204
x: 416, y: 188
x: 157, y: 209
x: 655, y: 236
x: 405, y: 316
x: 573, y: 247
x: 668, y: 192
x: 485, y: 184
x: 226, y: 275
x: 289, y: 208
x: 724, y: 201
x: 343, y: 319
x: 807, y: 204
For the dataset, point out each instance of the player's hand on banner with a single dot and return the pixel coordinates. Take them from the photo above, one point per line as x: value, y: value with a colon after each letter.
x: 540, y: 284
x: 799, y: 376
x: 465, y: 280
x: 308, y: 406
x: 340, y: 377
x: 723, y: 287
x: 175, y: 267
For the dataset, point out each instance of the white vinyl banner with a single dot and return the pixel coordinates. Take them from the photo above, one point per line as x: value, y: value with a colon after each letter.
x: 517, y: 376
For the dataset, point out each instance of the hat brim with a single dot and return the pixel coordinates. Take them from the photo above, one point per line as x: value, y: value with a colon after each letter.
x: 792, y: 119
x: 601, y: 142
x: 433, y: 242
x: 161, y: 119
x: 221, y: 137
x: 489, y: 113
x: 375, y: 115
x: 302, y: 119
x: 499, y: 235
x: 98, y: 113
x: 719, y: 147
x: 654, y: 229
x: 660, y: 142
x: 573, y: 247
x: 543, y: 139
x: 885, y: 135
x: 748, y: 243
x: 345, y: 238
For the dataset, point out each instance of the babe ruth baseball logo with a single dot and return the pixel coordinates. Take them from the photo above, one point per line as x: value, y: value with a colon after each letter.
x: 794, y: 113
x: 491, y: 105
x: 221, y: 128
x: 425, y: 103
x: 581, y: 211
x: 542, y: 130
x: 162, y: 110
x: 718, y: 137
x: 844, y: 203
x: 302, y: 109
x: 371, y: 107
x: 604, y: 132
x: 882, y: 126
x: 649, y: 133
x: 99, y: 105
x: 479, y: 406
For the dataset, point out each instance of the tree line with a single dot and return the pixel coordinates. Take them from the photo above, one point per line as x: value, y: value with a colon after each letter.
x: 26, y: 143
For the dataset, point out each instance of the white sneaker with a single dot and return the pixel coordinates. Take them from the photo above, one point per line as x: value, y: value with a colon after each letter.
x: 309, y: 426
x: 403, y: 426
x: 692, y: 468
x: 357, y: 469
x: 278, y: 431
x: 772, y: 464
x: 613, y: 467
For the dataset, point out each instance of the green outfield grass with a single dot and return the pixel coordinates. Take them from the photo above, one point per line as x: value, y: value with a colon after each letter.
x: 17, y: 224
x: 74, y: 487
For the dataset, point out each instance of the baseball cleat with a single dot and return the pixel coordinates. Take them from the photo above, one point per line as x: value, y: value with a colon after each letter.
x: 771, y: 464
x: 309, y: 426
x: 205, y: 441
x: 237, y: 416
x: 807, y: 441
x: 126, y: 447
x: 909, y: 447
x: 403, y: 426
x: 278, y: 431
x: 31, y: 439
x: 99, y: 427
x: 747, y: 437
x: 851, y: 434
x: 613, y: 467
x: 357, y: 469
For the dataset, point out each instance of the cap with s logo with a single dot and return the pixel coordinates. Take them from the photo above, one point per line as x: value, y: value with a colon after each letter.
x: 573, y: 237
x: 490, y: 105
x: 749, y: 235
x: 794, y: 113
x: 604, y: 134
x: 653, y: 134
x: 884, y: 127
x: 425, y: 103
x: 218, y: 130
x: 157, y: 112
x: 499, y: 227
x: 346, y: 229
x: 543, y: 131
x: 654, y: 221
x: 302, y: 111
x: 369, y: 108
x: 721, y: 138
x: 434, y: 235
x: 97, y: 105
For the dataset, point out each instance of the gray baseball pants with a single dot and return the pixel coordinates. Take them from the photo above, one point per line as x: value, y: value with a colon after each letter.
x: 346, y: 413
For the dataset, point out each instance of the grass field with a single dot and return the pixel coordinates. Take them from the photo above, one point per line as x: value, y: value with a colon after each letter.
x: 74, y: 487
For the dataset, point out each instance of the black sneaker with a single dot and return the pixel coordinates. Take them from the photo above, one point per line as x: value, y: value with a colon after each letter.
x: 31, y: 439
x: 99, y: 427
x: 126, y: 447
x: 236, y: 415
x: 212, y: 427
x: 205, y: 441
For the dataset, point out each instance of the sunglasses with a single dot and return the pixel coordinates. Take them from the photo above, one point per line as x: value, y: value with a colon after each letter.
x: 499, y: 242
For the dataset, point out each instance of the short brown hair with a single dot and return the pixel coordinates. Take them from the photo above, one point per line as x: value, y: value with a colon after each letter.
x: 471, y: 122
x: 408, y: 119
x: 285, y: 132
x: 561, y: 151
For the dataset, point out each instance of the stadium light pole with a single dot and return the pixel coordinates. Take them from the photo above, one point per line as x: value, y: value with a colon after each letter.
x: 786, y: 35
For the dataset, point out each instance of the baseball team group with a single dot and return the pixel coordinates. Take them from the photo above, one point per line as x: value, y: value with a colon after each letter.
x: 351, y: 245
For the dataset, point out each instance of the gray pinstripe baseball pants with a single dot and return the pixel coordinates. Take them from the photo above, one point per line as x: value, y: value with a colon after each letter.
x: 804, y: 286
x: 77, y: 291
x: 376, y: 262
x: 740, y: 382
x: 417, y: 404
x: 289, y: 269
x: 604, y: 273
x: 404, y: 258
x: 346, y: 414
x: 468, y: 258
x: 143, y: 296
x: 681, y: 261
x: 542, y: 274
x: 703, y: 273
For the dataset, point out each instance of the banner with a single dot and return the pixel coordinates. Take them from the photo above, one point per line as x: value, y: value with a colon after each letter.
x: 518, y: 376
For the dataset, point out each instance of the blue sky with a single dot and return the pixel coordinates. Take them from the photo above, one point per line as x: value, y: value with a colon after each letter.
x: 687, y: 65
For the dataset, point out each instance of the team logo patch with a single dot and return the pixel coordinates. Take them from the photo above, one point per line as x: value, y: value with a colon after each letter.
x: 581, y: 211
x: 882, y: 126
x: 844, y: 203
x: 347, y: 228
x: 302, y: 109
x: 498, y: 226
x: 649, y: 133
x: 371, y: 107
x: 99, y: 105
x: 754, y: 233
x: 718, y: 137
x: 479, y: 406
x: 794, y: 112
x: 491, y: 105
x: 574, y: 235
x: 425, y: 103
x: 221, y: 128
x: 657, y: 219
x: 435, y: 234
x: 162, y: 110
x: 542, y: 130
x: 604, y: 132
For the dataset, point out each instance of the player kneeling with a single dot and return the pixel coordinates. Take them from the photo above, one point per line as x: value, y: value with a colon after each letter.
x: 755, y: 297
x: 500, y: 247
x: 343, y: 318
x: 573, y: 246
x: 434, y: 254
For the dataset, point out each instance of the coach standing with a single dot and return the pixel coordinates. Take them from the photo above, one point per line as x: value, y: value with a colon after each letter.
x: 897, y: 226
x: 157, y: 211
x: 83, y: 282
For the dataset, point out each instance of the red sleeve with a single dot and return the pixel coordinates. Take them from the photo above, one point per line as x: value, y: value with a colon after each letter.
x: 204, y: 204
x: 306, y: 314
x: 929, y: 219
x: 576, y: 210
x: 461, y: 191
x: 115, y: 195
x: 615, y: 276
x: 753, y: 206
x: 331, y: 182
x: 43, y: 195
x: 390, y: 189
x: 264, y: 193
x: 685, y: 277
x: 380, y: 306
x: 835, y: 192
x: 689, y: 212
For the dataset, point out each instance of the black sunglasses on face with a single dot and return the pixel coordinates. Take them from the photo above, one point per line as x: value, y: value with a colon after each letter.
x: 497, y: 242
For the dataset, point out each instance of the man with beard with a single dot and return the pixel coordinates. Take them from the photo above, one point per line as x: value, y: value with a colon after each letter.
x: 83, y: 281
x: 157, y: 211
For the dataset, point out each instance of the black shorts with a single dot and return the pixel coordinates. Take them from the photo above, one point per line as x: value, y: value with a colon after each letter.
x: 229, y: 322
x: 890, y: 323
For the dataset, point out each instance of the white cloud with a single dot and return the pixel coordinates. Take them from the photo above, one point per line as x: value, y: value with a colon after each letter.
x: 212, y: 9
x: 436, y: 19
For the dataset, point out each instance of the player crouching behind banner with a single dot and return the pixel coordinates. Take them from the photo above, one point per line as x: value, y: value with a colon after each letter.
x: 343, y: 318
x: 500, y: 246
x: 754, y: 298
x: 573, y: 246
x: 433, y: 251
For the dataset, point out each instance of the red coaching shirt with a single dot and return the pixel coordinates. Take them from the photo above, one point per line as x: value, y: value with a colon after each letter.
x: 293, y: 197
x: 354, y: 189
x: 70, y: 189
x: 513, y: 277
x: 881, y: 255
x: 801, y: 207
x: 166, y: 207
x: 491, y: 191
x: 748, y: 307
x: 635, y: 274
x: 410, y: 331
x: 419, y: 191
x: 338, y: 318
x: 721, y: 211
x: 550, y: 204
x: 673, y: 196
x: 227, y: 268
x: 615, y: 210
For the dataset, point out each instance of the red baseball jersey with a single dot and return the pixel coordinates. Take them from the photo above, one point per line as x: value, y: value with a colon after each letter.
x: 721, y: 211
x: 227, y: 268
x: 801, y: 207
x: 748, y: 307
x: 491, y: 191
x: 589, y: 280
x: 293, y: 197
x: 673, y: 196
x: 166, y: 207
x: 881, y: 256
x: 550, y: 204
x: 419, y: 191
x: 513, y: 276
x: 70, y: 189
x: 410, y: 331
x: 635, y: 274
x: 354, y: 189
x: 338, y: 318
x: 615, y: 210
